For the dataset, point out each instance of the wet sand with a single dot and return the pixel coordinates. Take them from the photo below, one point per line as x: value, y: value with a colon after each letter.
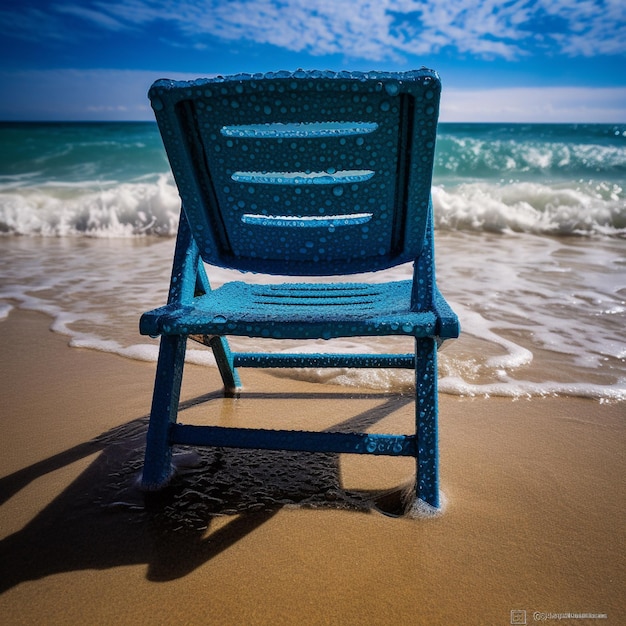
x: 534, y: 517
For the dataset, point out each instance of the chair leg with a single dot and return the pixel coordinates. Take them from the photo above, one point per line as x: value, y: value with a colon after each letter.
x: 224, y: 360
x: 157, y: 469
x: 427, y: 484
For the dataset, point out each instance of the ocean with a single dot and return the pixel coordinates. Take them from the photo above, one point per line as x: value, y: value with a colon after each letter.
x: 530, y: 239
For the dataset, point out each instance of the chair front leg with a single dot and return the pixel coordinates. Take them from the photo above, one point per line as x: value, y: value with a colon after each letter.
x: 426, y: 401
x: 158, y: 460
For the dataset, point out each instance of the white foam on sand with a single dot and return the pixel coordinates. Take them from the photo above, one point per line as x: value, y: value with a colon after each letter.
x: 525, y: 303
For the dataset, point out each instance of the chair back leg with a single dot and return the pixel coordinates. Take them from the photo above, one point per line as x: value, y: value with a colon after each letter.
x: 224, y: 360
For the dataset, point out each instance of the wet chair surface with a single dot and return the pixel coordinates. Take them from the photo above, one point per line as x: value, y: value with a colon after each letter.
x: 301, y: 174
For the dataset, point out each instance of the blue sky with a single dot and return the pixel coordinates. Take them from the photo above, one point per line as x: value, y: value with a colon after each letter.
x: 507, y: 60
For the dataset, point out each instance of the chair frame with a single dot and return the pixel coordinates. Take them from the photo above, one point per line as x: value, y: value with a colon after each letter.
x: 189, y: 284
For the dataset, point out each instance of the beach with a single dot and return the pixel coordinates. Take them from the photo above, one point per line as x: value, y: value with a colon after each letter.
x: 533, y: 518
x: 530, y: 225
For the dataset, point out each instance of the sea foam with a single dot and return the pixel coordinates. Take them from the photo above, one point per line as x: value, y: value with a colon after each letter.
x: 104, y: 209
x: 110, y: 209
x: 581, y: 209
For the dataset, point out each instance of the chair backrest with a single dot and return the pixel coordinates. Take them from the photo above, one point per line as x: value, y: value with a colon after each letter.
x: 304, y: 173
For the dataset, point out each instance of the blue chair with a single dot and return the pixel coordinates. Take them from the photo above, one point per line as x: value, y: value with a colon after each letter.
x: 300, y: 174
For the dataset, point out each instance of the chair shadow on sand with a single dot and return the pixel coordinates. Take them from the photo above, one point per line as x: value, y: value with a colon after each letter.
x: 104, y: 520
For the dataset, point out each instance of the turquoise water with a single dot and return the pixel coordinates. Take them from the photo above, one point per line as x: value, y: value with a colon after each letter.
x: 530, y: 228
x: 112, y: 179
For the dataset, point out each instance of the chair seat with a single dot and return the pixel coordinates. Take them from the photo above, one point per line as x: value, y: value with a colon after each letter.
x: 296, y: 311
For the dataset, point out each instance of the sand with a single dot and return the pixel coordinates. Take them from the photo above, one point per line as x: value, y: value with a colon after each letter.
x: 534, y: 518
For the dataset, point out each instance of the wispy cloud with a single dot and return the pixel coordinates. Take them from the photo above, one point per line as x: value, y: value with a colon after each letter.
x: 98, y: 18
x: 361, y: 29
x: 373, y: 29
x: 595, y: 27
x: 379, y: 29
x: 369, y: 29
x: 31, y: 24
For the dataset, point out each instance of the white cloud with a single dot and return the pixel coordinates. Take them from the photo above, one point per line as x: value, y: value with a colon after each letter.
x: 359, y: 29
x: 375, y: 30
x: 383, y: 29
